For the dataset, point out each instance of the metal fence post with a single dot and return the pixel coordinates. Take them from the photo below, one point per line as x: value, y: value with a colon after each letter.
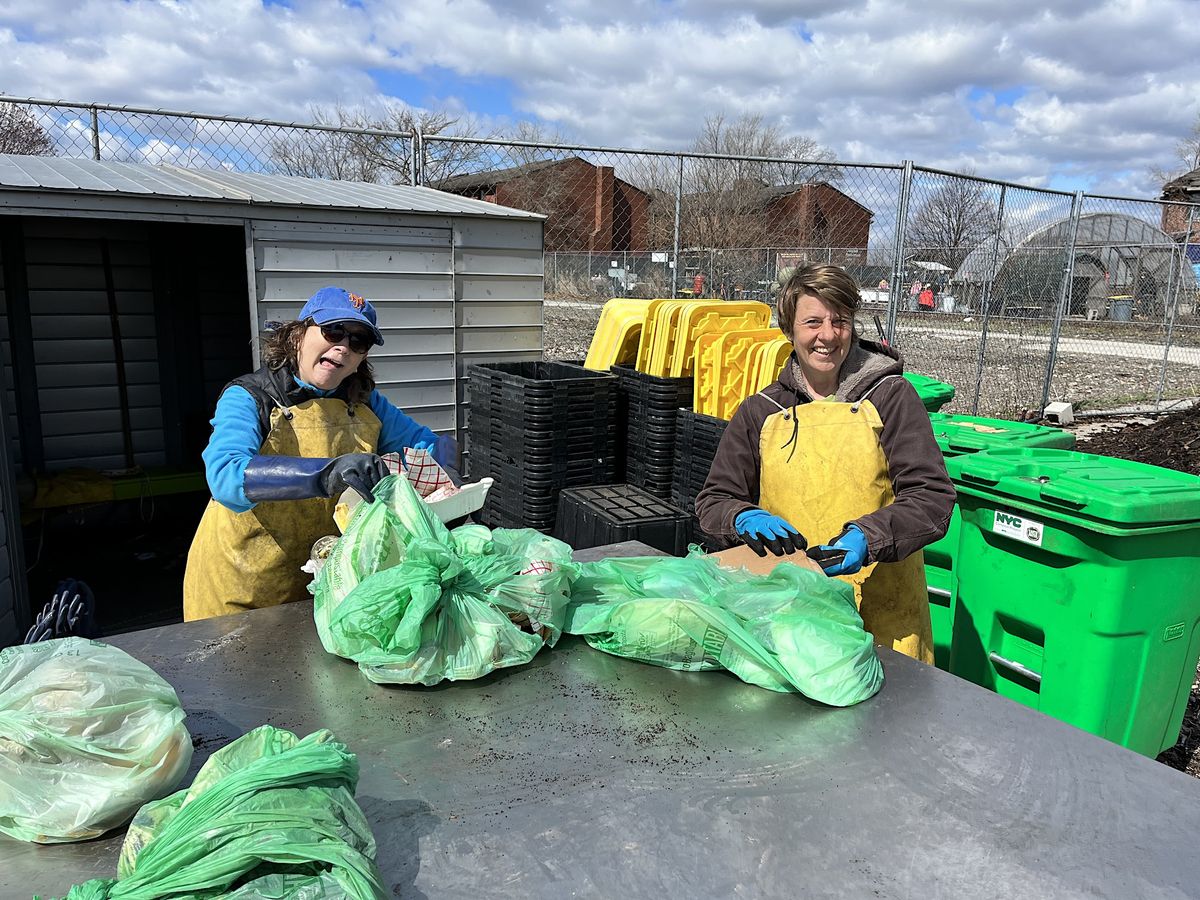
x: 675, y: 246
x: 1064, y: 295
x: 985, y: 300
x: 95, y: 133
x: 906, y: 177
x: 1173, y: 306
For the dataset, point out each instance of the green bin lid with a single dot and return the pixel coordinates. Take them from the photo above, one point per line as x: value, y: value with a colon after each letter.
x: 934, y: 394
x: 1084, y: 485
x: 971, y: 434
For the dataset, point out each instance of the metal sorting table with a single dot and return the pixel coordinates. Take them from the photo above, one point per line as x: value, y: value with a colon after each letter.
x: 583, y: 774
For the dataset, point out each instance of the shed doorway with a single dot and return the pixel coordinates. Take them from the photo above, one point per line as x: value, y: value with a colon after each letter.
x: 117, y: 337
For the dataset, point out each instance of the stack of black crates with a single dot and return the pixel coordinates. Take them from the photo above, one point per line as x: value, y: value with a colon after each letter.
x: 650, y: 406
x: 537, y: 427
x: 696, y: 440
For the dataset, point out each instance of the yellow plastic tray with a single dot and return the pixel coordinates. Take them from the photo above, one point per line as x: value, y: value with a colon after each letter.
x: 705, y: 377
x: 617, y: 334
x: 708, y: 316
x: 734, y: 376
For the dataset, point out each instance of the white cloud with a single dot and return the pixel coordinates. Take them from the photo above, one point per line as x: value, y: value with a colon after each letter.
x: 1091, y: 92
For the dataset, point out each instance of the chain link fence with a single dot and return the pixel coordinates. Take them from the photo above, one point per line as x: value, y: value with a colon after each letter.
x: 1015, y: 295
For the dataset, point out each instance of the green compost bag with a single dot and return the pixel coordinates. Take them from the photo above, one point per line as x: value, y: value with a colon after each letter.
x: 269, y: 815
x: 87, y: 735
x: 792, y: 630
x: 415, y: 603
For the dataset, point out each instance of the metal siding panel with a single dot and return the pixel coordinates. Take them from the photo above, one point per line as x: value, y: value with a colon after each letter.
x: 498, y: 234
x: 498, y: 312
x: 499, y: 261
x: 84, y: 422
x: 439, y: 418
x: 96, y: 398
x: 417, y: 231
x: 312, y: 258
x: 53, y: 351
x: 500, y: 287
x: 500, y: 340
x: 392, y: 315
x: 425, y: 341
x: 402, y: 370
x: 400, y: 286
x: 424, y: 393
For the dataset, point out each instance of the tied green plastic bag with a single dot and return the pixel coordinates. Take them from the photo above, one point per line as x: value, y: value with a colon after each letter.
x: 87, y: 735
x: 414, y: 603
x: 268, y: 816
x: 792, y: 630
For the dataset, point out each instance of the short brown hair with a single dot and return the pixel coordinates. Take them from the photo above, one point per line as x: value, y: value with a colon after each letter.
x: 281, y: 348
x: 828, y: 283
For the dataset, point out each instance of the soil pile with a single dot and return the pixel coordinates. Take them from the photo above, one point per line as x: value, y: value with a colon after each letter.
x: 1172, y: 442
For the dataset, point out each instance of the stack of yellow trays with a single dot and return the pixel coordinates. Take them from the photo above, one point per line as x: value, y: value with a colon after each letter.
x: 727, y: 347
x: 734, y: 365
x: 618, y: 334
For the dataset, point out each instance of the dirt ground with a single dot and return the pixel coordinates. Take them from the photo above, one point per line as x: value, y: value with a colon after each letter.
x: 1172, y: 442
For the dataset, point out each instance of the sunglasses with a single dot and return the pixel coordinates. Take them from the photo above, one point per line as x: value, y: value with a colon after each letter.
x: 358, y: 341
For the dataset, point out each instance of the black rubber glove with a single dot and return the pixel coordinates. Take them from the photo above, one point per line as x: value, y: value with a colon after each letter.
x: 299, y: 478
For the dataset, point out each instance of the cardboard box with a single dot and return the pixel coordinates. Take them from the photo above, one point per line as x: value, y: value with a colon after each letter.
x: 743, y: 557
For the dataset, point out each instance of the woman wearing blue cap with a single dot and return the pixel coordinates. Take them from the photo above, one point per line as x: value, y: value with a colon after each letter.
x: 286, y: 441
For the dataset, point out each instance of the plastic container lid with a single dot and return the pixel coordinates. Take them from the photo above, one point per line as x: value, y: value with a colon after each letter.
x: 934, y: 394
x: 971, y: 434
x: 1081, y: 485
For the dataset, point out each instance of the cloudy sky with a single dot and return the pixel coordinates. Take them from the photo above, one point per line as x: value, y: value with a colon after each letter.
x: 1089, y: 95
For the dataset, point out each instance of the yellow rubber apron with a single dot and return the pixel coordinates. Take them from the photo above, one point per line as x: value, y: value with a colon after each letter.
x: 249, y: 560
x: 825, y: 469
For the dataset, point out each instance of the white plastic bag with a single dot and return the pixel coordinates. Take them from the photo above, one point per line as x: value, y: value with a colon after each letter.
x: 87, y: 735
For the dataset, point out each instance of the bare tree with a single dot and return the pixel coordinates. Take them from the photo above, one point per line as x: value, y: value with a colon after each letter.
x: 725, y: 198
x: 1187, y: 156
x: 951, y: 222
x: 21, y: 133
x: 351, y: 144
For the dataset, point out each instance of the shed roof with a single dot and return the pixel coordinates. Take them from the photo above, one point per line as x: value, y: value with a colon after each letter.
x: 87, y: 176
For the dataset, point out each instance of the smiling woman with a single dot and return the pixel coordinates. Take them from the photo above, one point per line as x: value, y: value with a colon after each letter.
x: 839, y: 449
x: 286, y: 441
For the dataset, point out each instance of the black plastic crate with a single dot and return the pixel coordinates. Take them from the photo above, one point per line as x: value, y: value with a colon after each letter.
x: 606, y: 514
x: 653, y: 389
x: 696, y: 441
x: 541, y: 379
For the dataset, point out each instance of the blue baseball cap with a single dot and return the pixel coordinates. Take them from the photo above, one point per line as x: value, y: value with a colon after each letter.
x: 335, y: 304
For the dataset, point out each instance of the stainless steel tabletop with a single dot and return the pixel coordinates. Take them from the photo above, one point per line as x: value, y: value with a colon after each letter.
x: 586, y: 775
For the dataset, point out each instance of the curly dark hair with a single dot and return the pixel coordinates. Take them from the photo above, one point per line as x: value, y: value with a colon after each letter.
x: 281, y: 349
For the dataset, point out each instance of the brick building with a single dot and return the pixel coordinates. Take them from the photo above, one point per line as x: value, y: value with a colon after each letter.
x: 588, y: 208
x: 817, y: 215
x: 1184, y: 189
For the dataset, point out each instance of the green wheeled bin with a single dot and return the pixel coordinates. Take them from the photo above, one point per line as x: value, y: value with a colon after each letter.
x: 1079, y: 589
x: 956, y: 436
x: 934, y: 394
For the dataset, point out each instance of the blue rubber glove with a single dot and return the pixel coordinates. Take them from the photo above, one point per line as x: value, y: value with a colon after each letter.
x: 851, y: 545
x: 762, y: 532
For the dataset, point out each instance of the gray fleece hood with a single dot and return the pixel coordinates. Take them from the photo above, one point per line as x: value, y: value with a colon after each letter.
x: 866, y: 363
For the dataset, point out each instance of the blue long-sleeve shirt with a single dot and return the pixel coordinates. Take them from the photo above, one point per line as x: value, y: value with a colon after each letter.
x: 237, y: 437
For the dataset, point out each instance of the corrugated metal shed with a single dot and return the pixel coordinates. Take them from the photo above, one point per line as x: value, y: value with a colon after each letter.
x: 129, y: 294
x: 98, y: 176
